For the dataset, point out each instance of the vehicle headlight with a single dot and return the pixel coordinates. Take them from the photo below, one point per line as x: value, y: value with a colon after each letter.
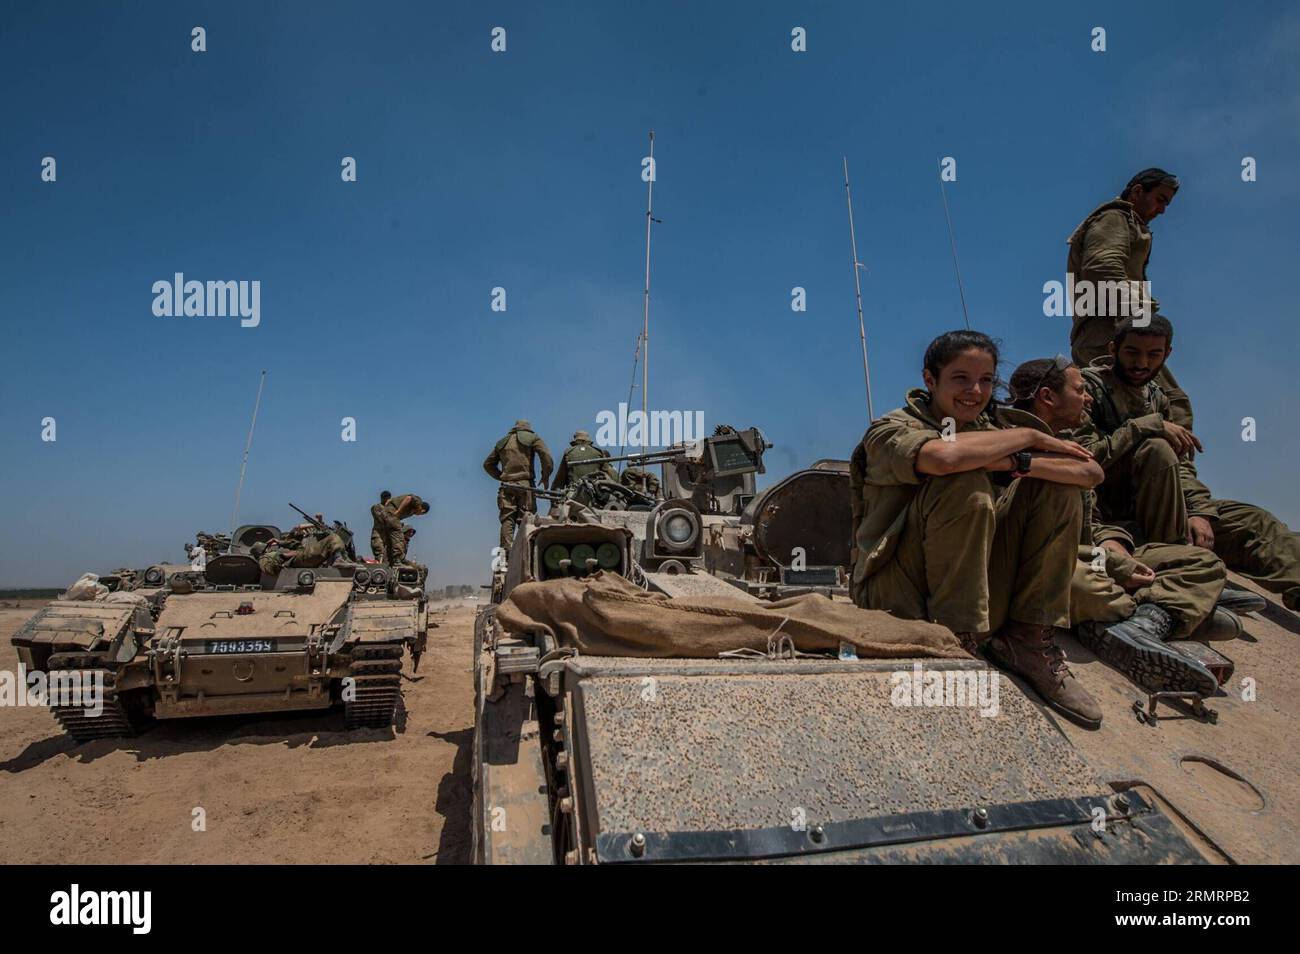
x: 306, y: 579
x: 153, y: 576
x: 378, y: 577
x: 678, y: 528
x: 361, y: 577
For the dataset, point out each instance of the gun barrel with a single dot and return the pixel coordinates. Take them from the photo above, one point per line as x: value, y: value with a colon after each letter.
x: 310, y: 519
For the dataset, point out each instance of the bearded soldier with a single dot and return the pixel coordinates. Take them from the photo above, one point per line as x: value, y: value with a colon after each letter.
x: 1146, y: 455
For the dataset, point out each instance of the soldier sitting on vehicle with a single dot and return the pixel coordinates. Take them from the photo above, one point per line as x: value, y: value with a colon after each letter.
x: 642, y: 481
x: 581, y: 459
x: 313, y: 550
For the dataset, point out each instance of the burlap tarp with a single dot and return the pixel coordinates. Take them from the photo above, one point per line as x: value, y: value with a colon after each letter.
x: 605, y: 615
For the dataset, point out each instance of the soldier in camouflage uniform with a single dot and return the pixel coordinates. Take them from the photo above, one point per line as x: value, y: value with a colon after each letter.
x: 315, y: 550
x: 1126, y: 602
x: 511, y: 463
x: 641, y: 481
x: 958, y: 523
x: 582, y: 459
x: 1113, y: 245
x: 1146, y: 458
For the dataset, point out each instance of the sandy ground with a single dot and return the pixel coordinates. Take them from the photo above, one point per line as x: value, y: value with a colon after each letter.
x: 281, y: 789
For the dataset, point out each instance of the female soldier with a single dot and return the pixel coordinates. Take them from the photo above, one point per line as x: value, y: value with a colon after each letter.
x: 939, y: 537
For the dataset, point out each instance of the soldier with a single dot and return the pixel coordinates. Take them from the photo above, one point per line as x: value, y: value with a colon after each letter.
x: 1113, y: 245
x: 938, y: 539
x: 1127, y: 601
x: 1144, y: 454
x: 315, y: 550
x: 581, y: 459
x: 511, y: 462
x: 383, y: 523
x: 641, y: 481
x: 398, y: 537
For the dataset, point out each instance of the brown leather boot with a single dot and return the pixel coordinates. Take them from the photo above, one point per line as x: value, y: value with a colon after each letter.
x: 973, y: 643
x: 1032, y: 652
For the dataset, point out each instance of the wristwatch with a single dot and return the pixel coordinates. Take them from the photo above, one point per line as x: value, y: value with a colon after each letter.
x: 1022, y: 460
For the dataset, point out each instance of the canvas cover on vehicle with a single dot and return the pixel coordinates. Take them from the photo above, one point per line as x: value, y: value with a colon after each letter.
x: 606, y: 615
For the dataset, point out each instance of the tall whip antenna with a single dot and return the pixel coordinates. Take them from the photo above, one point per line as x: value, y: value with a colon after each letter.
x: 234, y: 516
x: 631, y: 386
x: 953, y: 242
x: 645, y: 316
x: 857, y: 287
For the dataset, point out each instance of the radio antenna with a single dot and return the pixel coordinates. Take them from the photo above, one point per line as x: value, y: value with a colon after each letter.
x: 953, y: 242
x: 645, y: 315
x: 857, y: 287
x: 234, y: 516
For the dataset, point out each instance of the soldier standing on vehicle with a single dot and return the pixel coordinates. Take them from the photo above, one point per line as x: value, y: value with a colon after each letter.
x: 511, y: 463
x: 1110, y: 249
x: 581, y: 459
x: 399, y: 535
x: 383, y: 523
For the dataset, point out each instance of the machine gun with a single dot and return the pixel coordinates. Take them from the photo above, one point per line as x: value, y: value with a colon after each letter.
x: 339, y: 527
x: 717, y: 473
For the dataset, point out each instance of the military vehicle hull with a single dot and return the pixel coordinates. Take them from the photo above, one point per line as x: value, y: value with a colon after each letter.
x: 223, y: 641
x: 593, y: 759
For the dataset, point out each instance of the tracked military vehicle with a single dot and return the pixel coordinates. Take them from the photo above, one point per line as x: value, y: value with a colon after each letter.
x: 782, y: 756
x: 220, y: 637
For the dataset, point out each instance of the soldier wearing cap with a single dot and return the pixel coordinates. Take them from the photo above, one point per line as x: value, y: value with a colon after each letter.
x: 581, y: 459
x: 511, y: 463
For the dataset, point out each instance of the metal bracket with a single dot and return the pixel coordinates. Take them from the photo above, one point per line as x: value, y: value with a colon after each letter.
x: 1148, y: 715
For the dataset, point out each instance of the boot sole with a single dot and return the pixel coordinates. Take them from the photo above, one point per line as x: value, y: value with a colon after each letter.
x: 1077, y: 718
x: 1153, y: 668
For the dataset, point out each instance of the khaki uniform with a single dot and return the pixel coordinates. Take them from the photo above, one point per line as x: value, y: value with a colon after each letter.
x: 1148, y: 489
x: 582, y: 459
x: 388, y: 539
x: 641, y: 481
x: 958, y: 549
x: 315, y: 550
x: 511, y: 461
x: 1188, y: 579
x: 1121, y: 432
x: 1113, y: 245
x: 385, y: 523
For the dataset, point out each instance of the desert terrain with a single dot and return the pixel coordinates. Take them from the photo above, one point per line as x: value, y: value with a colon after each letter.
x: 285, y: 789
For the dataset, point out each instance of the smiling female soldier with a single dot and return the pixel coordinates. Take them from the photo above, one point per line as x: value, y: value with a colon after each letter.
x: 940, y: 533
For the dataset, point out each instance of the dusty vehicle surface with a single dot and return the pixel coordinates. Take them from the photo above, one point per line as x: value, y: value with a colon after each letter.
x: 220, y: 637
x: 789, y: 757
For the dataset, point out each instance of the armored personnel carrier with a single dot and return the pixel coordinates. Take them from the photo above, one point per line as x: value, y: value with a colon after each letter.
x: 654, y: 753
x: 178, y: 641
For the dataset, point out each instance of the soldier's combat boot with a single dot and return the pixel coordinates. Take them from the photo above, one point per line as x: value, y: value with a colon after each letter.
x: 1240, y: 601
x: 1136, y: 647
x: 1222, y: 624
x: 1032, y: 652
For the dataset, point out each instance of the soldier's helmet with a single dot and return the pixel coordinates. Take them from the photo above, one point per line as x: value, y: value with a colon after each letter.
x: 523, y: 425
x: 582, y: 436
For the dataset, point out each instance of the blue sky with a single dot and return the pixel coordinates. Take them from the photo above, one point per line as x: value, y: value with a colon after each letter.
x: 522, y: 170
